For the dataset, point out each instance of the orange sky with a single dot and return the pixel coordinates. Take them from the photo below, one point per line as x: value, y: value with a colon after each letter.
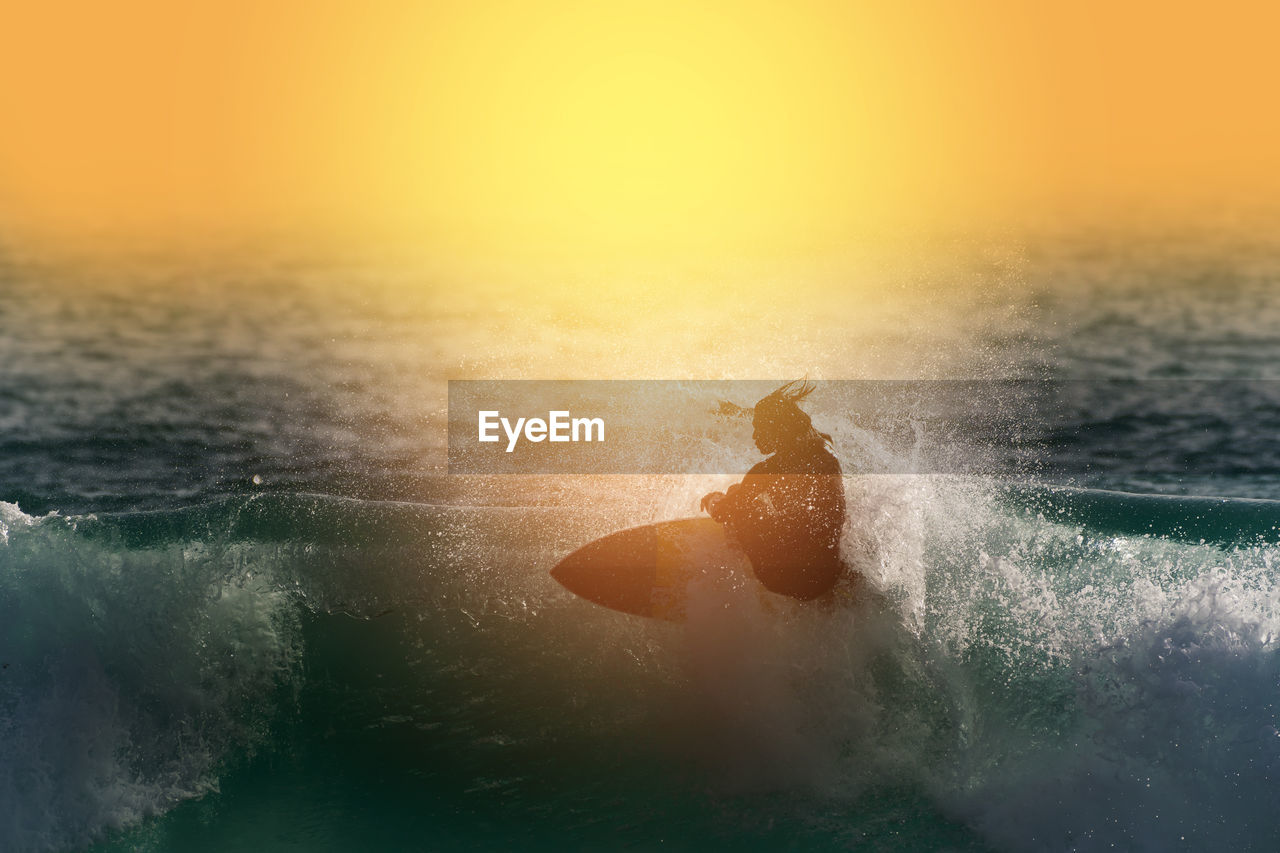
x: 622, y: 125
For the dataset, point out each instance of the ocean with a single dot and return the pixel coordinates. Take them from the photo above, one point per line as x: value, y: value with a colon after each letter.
x: 245, y: 605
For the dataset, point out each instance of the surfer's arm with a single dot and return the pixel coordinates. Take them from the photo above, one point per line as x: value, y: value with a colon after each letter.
x: 738, y: 501
x: 721, y: 506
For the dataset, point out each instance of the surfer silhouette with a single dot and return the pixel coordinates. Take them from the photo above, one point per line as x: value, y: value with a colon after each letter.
x: 788, y: 512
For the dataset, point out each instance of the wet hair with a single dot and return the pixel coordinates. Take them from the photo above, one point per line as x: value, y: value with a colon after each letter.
x: 780, y: 411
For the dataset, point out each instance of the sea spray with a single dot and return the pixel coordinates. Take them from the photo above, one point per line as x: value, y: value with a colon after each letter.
x: 1068, y: 688
x: 1025, y: 682
x: 128, y: 677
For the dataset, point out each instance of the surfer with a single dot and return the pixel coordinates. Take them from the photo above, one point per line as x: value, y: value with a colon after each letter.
x: 789, y: 511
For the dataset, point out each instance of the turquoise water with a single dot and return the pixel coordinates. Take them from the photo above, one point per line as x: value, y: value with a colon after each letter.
x: 242, y: 604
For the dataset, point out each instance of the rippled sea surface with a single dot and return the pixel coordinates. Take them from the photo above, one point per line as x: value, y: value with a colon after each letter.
x: 243, y: 604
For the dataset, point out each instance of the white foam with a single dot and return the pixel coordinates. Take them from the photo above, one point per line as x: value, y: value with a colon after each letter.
x: 1053, y: 688
x: 128, y: 676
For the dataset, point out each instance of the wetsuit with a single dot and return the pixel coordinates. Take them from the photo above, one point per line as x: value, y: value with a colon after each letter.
x: 787, y: 514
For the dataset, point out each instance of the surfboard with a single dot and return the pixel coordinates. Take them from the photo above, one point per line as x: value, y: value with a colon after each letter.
x: 652, y: 570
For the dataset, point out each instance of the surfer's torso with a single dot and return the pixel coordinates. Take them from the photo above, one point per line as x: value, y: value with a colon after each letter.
x: 788, y: 514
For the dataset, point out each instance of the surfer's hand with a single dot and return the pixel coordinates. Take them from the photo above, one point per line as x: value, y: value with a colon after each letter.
x: 709, y: 502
